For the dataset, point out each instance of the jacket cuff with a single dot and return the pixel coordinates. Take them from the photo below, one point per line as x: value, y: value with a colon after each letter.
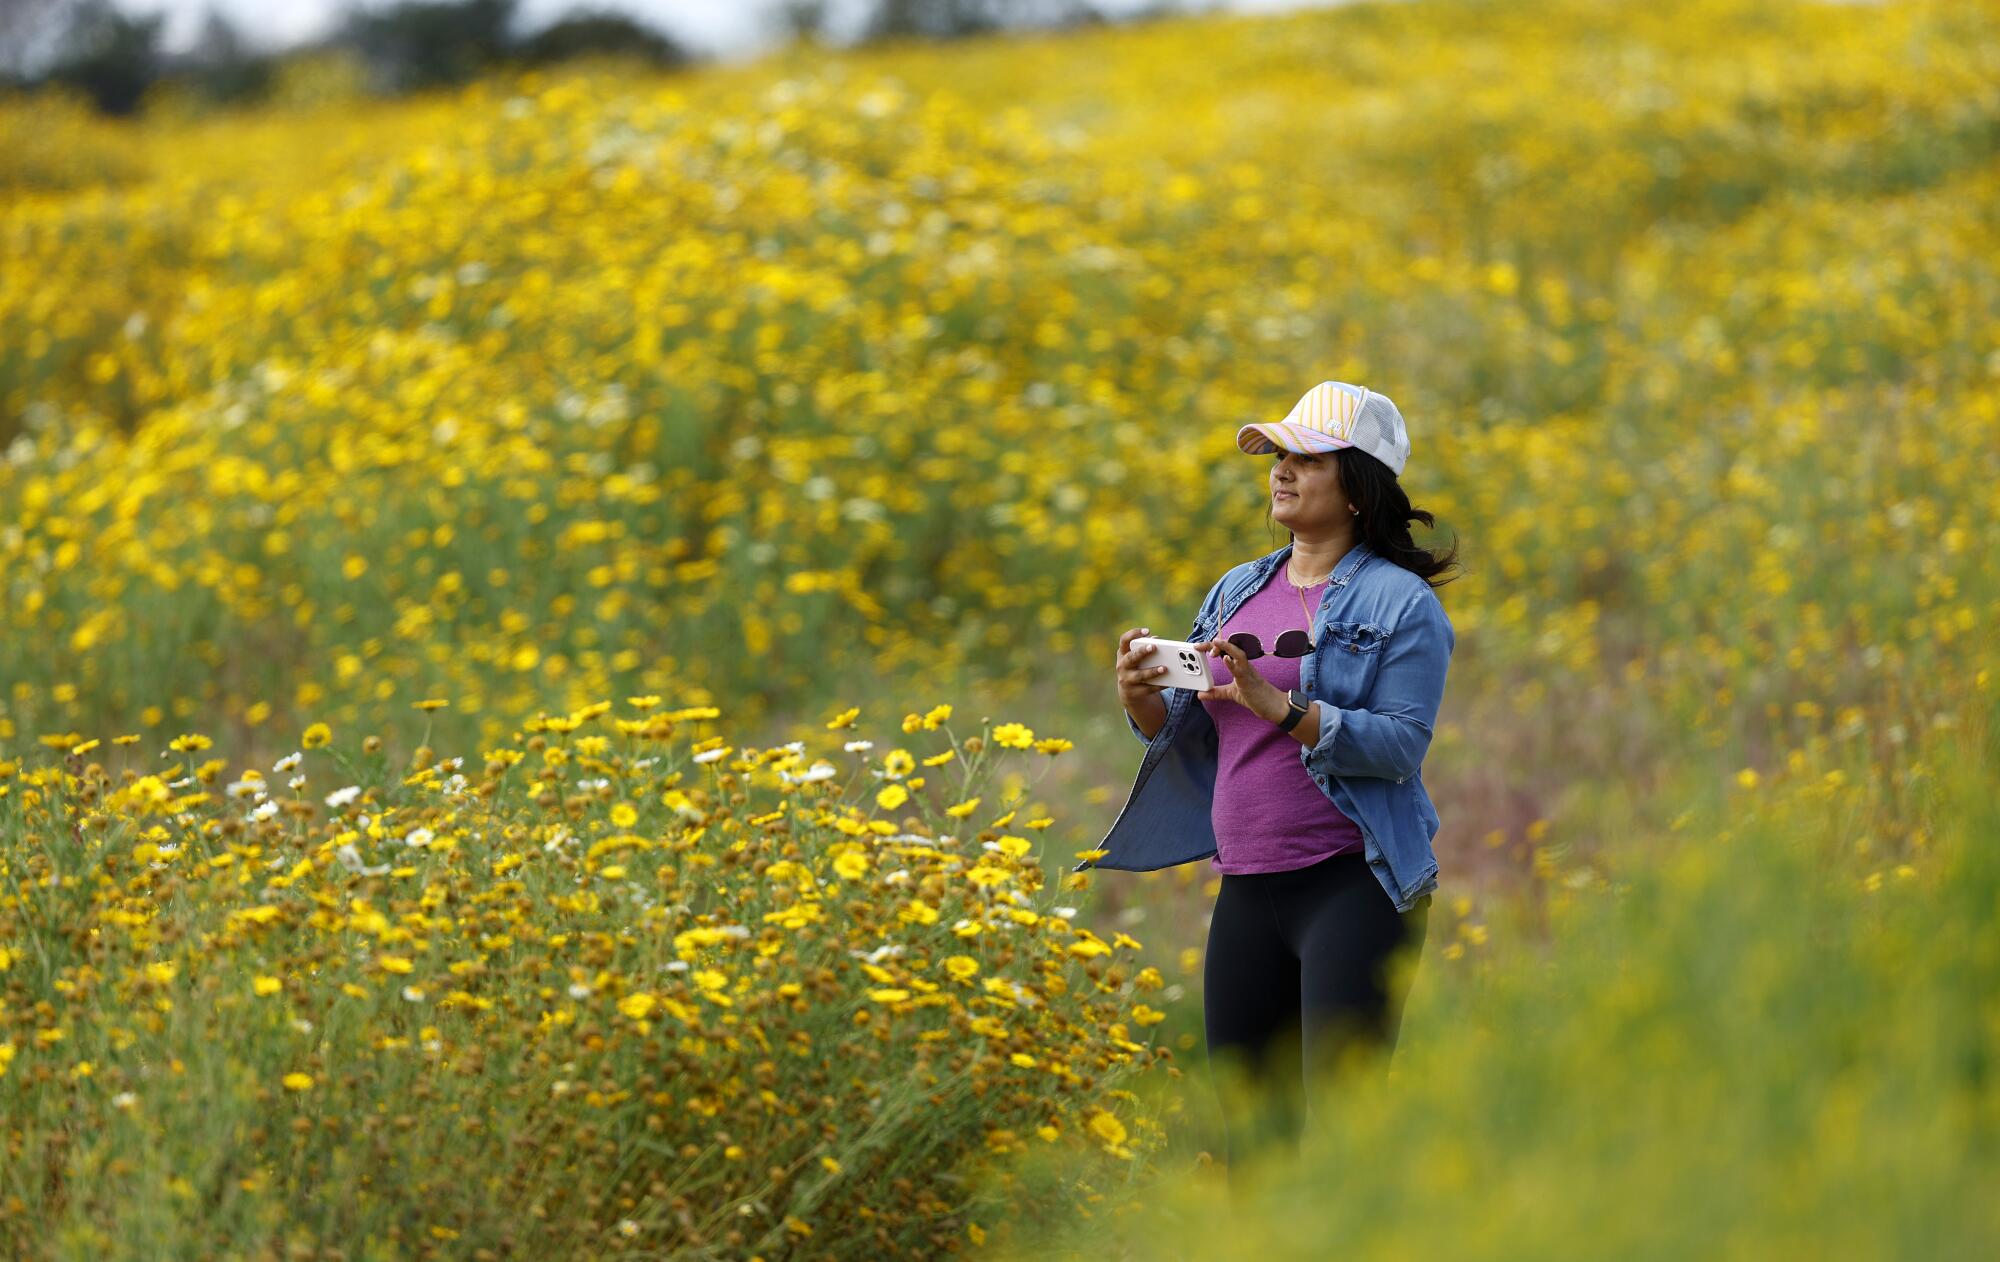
x: 1329, y: 729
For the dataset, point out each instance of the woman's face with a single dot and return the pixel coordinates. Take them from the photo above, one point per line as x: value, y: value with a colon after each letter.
x: 1306, y: 496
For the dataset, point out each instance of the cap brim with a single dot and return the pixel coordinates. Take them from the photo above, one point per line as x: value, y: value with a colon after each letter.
x: 1260, y: 437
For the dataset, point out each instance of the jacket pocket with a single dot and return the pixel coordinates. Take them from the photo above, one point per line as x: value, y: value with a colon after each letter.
x: 1349, y: 656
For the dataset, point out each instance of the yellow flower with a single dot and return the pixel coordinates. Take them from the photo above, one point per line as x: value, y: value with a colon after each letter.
x: 892, y: 796
x: 961, y: 966
x: 395, y: 964
x: 843, y: 719
x: 296, y: 1081
x: 963, y: 809
x: 266, y: 985
x: 316, y: 736
x: 1747, y: 777
x: 637, y: 1005
x: 889, y: 994
x: 162, y: 972
x: 935, y: 715
x: 1107, y: 1128
x: 624, y: 815
x: 1014, y: 735
x: 851, y: 866
x: 898, y: 763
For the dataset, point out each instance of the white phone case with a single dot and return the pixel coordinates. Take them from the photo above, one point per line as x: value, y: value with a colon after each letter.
x: 1187, y: 666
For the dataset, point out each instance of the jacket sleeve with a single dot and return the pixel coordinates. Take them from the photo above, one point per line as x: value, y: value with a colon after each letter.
x: 1390, y: 738
x: 1208, y: 607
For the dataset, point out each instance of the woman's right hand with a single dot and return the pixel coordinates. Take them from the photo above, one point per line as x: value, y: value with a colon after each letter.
x: 1133, y: 688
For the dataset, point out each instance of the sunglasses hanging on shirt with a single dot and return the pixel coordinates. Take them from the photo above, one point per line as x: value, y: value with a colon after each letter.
x: 1292, y: 643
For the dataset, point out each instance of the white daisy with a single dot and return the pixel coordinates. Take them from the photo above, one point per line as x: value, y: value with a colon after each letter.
x: 350, y: 858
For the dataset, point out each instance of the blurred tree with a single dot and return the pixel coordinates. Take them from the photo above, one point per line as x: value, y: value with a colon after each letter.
x: 418, y: 44
x: 222, y: 67
x: 952, y: 19
x: 110, y: 57
x: 584, y: 32
x: 801, y: 20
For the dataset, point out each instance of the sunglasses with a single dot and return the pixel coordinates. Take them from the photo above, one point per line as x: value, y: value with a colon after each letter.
x: 1293, y: 643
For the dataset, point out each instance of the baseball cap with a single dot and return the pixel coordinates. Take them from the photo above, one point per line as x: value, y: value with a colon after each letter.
x: 1334, y: 414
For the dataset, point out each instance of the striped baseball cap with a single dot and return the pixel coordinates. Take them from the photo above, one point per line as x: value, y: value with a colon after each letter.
x: 1334, y: 414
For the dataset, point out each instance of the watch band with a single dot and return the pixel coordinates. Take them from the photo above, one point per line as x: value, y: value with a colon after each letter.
x: 1299, y: 706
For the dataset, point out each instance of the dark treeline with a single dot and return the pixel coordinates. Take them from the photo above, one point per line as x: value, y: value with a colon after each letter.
x: 114, y: 57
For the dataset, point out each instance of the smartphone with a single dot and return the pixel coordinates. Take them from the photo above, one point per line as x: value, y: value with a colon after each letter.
x: 1187, y: 666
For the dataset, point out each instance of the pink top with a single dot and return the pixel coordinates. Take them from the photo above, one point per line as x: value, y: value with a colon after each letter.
x: 1267, y: 813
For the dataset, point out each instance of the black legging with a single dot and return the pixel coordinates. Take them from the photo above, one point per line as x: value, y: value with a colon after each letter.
x: 1296, y: 981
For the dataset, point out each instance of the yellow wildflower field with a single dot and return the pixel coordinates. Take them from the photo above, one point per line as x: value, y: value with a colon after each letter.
x: 462, y: 559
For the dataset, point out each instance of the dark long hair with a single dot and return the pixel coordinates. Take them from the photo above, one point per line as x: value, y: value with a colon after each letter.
x: 1384, y: 520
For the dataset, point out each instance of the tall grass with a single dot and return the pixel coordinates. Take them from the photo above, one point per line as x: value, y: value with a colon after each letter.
x: 1762, y: 1038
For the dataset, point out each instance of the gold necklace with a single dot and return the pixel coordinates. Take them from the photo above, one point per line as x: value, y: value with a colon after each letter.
x: 1300, y: 592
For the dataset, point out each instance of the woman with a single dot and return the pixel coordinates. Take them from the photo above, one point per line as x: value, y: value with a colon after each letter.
x: 1299, y: 770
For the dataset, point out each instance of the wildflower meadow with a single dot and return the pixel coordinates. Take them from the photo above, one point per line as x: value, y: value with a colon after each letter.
x: 556, y: 639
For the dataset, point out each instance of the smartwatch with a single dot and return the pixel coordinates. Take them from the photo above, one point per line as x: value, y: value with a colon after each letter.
x: 1299, y: 705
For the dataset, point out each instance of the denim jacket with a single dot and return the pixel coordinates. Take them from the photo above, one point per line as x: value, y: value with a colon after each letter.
x: 1376, y: 675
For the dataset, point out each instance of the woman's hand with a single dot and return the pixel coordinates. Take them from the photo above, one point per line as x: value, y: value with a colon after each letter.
x: 1248, y: 689
x: 1133, y: 688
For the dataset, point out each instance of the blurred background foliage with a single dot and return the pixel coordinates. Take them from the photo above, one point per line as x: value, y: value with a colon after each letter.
x: 904, y: 373
x: 838, y: 373
x: 117, y: 57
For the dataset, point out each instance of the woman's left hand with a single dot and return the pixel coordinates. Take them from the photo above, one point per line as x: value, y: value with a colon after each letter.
x: 1248, y: 688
